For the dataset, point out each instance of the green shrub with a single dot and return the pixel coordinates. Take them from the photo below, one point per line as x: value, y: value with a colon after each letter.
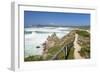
x: 33, y: 58
x: 83, y: 33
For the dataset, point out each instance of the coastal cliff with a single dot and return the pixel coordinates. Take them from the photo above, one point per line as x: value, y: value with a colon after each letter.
x: 74, y: 45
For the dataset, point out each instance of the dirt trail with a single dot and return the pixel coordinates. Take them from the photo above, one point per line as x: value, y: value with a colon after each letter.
x: 77, y: 48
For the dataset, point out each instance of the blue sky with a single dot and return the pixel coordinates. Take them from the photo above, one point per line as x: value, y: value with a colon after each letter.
x: 56, y: 18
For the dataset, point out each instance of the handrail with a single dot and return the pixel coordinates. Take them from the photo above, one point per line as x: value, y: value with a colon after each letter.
x: 57, y: 54
x: 63, y: 49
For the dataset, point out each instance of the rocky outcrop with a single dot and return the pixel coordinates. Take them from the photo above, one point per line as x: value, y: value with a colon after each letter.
x: 51, y: 41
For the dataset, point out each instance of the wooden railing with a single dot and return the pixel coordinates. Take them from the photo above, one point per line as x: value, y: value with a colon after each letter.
x: 66, y: 49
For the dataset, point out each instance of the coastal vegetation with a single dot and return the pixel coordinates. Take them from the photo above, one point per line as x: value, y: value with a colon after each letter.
x: 60, y: 49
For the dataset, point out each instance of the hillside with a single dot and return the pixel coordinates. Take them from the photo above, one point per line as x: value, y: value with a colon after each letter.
x: 74, y: 45
x: 83, y: 40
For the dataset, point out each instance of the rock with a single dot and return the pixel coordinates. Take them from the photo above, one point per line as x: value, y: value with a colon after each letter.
x: 51, y: 41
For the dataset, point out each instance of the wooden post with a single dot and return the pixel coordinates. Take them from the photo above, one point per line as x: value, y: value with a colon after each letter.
x: 65, y: 52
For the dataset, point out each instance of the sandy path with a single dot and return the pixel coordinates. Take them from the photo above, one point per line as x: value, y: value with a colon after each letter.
x: 77, y: 48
